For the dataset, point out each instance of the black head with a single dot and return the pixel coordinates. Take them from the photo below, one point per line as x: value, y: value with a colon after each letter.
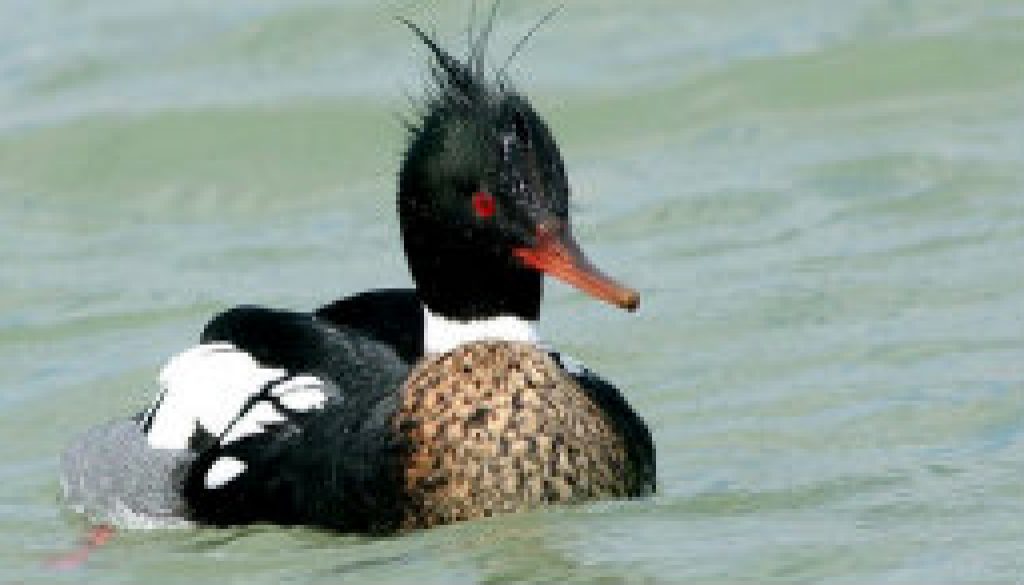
x: 484, y: 200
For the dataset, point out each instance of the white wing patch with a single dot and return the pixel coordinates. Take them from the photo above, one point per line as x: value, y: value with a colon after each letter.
x: 227, y: 393
x: 301, y: 393
x: 253, y: 422
x: 222, y: 471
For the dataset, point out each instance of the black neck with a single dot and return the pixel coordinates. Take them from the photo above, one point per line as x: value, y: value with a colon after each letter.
x: 466, y: 284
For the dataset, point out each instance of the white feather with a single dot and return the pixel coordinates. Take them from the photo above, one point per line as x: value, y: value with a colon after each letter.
x: 301, y: 394
x: 442, y: 334
x: 222, y: 471
x: 253, y: 422
x: 206, y: 385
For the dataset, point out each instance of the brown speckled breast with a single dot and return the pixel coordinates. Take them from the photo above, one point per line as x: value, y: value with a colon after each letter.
x: 498, y: 427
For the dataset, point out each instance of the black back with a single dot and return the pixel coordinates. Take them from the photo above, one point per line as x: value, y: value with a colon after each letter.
x: 393, y: 317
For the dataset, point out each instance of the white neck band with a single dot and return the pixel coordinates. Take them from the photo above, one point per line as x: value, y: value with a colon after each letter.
x: 441, y: 334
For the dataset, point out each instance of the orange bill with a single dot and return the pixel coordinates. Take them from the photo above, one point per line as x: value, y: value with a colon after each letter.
x: 557, y: 254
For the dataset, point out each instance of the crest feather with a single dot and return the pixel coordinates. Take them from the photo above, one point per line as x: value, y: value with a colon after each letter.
x: 457, y: 83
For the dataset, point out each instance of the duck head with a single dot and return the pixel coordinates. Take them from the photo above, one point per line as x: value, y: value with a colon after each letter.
x: 484, y: 201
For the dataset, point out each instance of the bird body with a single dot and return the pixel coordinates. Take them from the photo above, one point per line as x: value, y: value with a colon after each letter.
x: 404, y: 408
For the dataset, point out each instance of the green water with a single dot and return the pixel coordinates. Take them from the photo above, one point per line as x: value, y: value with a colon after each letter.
x: 821, y: 202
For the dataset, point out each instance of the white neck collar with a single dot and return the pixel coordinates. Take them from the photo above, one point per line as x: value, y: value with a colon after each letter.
x: 441, y: 334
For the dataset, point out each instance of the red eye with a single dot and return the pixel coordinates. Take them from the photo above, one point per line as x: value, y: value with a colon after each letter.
x: 483, y: 204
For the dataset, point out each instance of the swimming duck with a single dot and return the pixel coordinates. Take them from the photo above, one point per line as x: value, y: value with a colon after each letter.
x: 395, y: 409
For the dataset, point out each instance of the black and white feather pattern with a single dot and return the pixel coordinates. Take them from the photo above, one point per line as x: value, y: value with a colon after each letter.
x: 301, y: 432
x: 216, y: 394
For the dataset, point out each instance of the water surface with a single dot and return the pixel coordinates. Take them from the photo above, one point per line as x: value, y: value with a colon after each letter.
x: 822, y: 204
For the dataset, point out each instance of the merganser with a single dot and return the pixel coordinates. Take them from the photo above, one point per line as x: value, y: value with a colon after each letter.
x: 321, y: 419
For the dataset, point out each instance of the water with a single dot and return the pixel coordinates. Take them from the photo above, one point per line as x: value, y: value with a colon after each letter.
x: 822, y: 204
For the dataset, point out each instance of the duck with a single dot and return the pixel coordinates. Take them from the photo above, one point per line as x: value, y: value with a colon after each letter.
x: 395, y: 409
